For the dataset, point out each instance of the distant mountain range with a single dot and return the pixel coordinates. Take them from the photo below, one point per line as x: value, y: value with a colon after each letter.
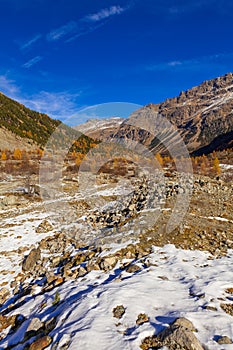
x: 100, y: 128
x: 202, y: 115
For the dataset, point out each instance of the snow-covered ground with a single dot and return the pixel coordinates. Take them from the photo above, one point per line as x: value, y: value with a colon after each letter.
x: 18, y: 231
x: 178, y: 283
x: 172, y: 283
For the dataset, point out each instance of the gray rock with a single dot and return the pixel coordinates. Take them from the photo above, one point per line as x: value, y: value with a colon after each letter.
x: 179, y: 335
x: 31, y: 260
x: 35, y: 325
x: 108, y: 262
x: 184, y: 322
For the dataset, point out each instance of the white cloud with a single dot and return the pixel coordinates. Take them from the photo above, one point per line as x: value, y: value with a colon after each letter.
x: 59, y: 105
x: 85, y: 25
x: 105, y: 13
x: 86, y: 30
x: 60, y: 32
x: 30, y: 42
x: 8, y: 86
x: 193, y: 64
x: 174, y: 63
x: 32, y: 62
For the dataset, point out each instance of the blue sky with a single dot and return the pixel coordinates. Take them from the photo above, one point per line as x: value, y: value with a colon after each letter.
x: 61, y: 56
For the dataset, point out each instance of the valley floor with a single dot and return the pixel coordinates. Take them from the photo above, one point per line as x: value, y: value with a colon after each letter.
x: 184, y: 274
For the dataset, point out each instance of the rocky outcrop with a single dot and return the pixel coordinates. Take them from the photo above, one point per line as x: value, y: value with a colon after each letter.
x: 178, y: 336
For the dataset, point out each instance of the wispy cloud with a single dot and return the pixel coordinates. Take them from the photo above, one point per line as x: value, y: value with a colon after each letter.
x: 30, y: 42
x: 74, y: 29
x: 8, y: 86
x: 59, y: 105
x: 32, y: 62
x: 174, y: 63
x: 62, y: 31
x: 208, y: 62
x: 105, y: 13
x: 86, y: 30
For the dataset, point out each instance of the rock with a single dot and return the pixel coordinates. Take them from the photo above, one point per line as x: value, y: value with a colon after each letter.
x: 133, y: 268
x: 229, y: 290
x: 184, y: 322
x: 44, y: 227
x: 130, y: 254
x: 10, y: 200
x: 6, y: 321
x: 177, y: 336
x: 92, y: 266
x: 58, y: 281
x: 4, y: 294
x: 82, y: 271
x: 118, y: 311
x: 56, y: 261
x: 50, y: 277
x: 224, y: 340
x: 50, y: 324
x: 142, y: 318
x: 41, y: 343
x: 228, y: 308
x: 151, y: 343
x: 211, y: 308
x: 35, y: 325
x: 31, y: 260
x: 108, y: 263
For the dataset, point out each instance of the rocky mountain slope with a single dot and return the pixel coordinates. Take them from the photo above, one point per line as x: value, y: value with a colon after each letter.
x: 203, y: 116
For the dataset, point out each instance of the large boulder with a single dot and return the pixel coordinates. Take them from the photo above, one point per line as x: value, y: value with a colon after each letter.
x: 31, y: 260
x: 10, y: 200
x: 178, y: 336
x: 41, y: 343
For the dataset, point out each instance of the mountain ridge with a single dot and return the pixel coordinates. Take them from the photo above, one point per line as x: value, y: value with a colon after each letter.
x: 201, y: 115
x: 32, y: 129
